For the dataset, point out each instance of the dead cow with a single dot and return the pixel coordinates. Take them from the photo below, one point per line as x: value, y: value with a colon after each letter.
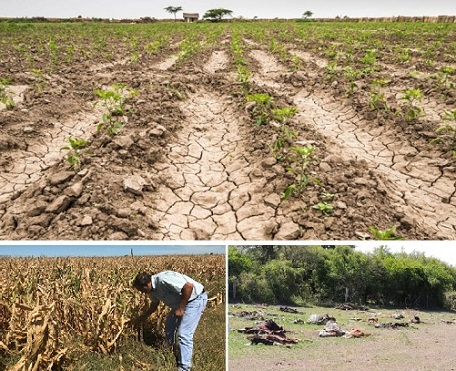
x: 290, y: 310
x: 271, y: 340
x: 317, y: 319
x: 394, y: 325
x: 372, y: 320
x: 332, y: 329
x: 355, y: 333
x: 269, y: 333
x: 265, y: 327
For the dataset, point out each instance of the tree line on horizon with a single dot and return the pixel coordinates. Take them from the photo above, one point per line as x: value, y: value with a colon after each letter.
x: 212, y: 14
x: 218, y: 14
x: 328, y: 275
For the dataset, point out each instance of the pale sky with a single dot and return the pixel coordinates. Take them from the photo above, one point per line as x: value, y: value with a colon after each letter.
x: 443, y: 250
x: 55, y: 248
x: 246, y: 8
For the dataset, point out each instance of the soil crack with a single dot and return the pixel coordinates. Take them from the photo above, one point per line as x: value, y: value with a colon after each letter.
x: 27, y: 166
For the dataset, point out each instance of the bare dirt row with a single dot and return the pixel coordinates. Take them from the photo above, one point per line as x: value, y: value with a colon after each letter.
x: 206, y: 190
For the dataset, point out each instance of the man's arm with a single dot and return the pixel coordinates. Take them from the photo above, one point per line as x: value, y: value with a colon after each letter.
x: 152, y: 308
x: 186, y: 292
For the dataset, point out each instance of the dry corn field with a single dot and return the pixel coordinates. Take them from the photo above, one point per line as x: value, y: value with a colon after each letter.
x: 81, y: 313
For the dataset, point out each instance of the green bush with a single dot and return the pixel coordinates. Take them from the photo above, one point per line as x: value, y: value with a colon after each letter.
x: 284, y: 280
x: 254, y: 289
x: 450, y: 300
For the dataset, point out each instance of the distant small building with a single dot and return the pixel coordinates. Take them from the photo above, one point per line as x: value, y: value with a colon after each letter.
x: 191, y: 17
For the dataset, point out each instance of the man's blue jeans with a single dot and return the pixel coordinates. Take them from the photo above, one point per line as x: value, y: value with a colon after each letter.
x: 186, y: 327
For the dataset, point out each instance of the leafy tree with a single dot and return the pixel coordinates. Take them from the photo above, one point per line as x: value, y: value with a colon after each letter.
x: 217, y: 14
x: 254, y: 289
x: 265, y: 253
x: 285, y: 282
x: 347, y: 273
x: 238, y: 262
x: 438, y: 281
x: 173, y: 10
x: 378, y: 276
x: 307, y: 14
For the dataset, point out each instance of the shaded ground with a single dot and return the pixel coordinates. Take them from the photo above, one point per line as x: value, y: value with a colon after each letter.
x: 424, y: 346
x: 189, y: 164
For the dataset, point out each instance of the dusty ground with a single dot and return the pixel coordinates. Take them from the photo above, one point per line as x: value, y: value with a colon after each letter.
x: 425, y: 346
x: 189, y: 164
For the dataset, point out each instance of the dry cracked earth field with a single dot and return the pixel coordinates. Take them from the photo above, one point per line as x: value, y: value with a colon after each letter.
x: 190, y: 164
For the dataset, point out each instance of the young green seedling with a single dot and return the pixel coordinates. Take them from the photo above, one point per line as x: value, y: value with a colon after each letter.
x: 369, y: 58
x: 447, y: 133
x: 134, y: 56
x: 53, y: 54
x: 296, y: 62
x: 300, y: 159
x: 187, y: 48
x: 113, y: 101
x: 377, y: 96
x: 331, y: 52
x: 39, y: 82
x: 157, y: 45
x: 75, y: 152
x: 260, y: 111
x: 378, y: 83
x: 283, y: 115
x: 278, y: 48
x: 331, y: 71
x: 404, y: 55
x: 5, y: 96
x: 387, y: 234
x: 351, y: 75
x: 444, y: 77
x: 70, y: 50
x: 378, y: 102
x: 243, y: 75
x: 175, y: 92
x: 413, y: 98
x: 324, y: 207
x: 326, y: 196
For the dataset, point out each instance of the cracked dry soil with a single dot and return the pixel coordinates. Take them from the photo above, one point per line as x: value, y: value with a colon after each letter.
x: 190, y: 165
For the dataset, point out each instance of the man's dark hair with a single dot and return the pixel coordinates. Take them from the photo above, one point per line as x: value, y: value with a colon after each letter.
x: 141, y: 280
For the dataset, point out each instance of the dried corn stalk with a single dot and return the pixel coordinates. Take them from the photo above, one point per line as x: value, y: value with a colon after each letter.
x: 48, y: 306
